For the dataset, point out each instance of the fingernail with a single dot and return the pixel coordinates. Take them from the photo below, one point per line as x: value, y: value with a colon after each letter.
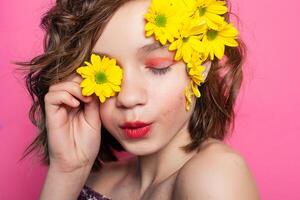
x: 76, y: 102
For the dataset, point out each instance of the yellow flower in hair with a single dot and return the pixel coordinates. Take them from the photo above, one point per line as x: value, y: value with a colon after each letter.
x: 197, y: 59
x: 196, y: 29
x: 215, y: 40
x: 189, y: 40
x: 163, y: 19
x: 195, y: 89
x: 208, y: 11
x: 196, y: 74
x: 188, y: 97
x: 102, y: 77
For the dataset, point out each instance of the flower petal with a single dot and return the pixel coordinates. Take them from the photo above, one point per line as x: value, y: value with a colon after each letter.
x: 96, y: 61
x: 87, y: 82
x: 85, y: 72
x: 88, y: 90
x: 195, y: 90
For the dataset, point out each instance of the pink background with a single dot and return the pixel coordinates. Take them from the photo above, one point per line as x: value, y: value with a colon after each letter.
x: 268, y: 110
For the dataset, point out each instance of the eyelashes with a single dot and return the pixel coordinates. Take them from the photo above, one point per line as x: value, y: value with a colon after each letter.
x: 155, y: 65
x: 160, y: 71
x: 159, y: 66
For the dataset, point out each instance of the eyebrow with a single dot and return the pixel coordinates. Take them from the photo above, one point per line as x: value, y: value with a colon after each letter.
x: 147, y: 48
x: 151, y: 47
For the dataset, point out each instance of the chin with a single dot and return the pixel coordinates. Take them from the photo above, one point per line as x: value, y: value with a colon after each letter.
x: 140, y: 149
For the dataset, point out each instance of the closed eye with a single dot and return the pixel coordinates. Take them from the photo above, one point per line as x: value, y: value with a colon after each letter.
x: 160, y: 71
x: 159, y: 66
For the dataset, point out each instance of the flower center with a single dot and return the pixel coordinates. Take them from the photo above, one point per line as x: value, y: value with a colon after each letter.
x: 100, y: 77
x: 202, y: 11
x: 185, y: 39
x: 211, y: 34
x: 161, y: 20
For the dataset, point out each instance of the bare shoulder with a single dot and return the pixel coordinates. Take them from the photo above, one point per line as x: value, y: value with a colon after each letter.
x: 216, y: 172
x: 104, y: 180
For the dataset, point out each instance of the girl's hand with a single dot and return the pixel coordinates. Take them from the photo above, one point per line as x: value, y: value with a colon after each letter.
x: 73, y: 133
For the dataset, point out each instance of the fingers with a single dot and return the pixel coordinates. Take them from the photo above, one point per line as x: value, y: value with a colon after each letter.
x: 69, y: 92
x: 54, y: 99
x: 71, y: 87
x: 91, y: 108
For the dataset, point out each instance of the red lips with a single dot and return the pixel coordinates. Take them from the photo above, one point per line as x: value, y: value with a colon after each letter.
x: 136, y: 130
x: 136, y: 124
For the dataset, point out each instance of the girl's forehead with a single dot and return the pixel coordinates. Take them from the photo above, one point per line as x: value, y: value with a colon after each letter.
x: 125, y: 30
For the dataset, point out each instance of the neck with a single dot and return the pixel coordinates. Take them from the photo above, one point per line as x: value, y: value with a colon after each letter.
x: 155, y: 168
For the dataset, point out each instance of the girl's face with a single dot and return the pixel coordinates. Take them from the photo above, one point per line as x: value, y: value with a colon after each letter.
x: 146, y: 95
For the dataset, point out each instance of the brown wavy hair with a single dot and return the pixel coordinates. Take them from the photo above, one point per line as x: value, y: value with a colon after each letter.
x: 72, y: 29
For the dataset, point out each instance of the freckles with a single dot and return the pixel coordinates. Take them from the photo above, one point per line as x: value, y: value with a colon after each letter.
x: 182, y: 98
x: 169, y: 107
x: 174, y: 105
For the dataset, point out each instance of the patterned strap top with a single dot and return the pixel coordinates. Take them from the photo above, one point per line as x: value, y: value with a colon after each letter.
x: 88, y: 193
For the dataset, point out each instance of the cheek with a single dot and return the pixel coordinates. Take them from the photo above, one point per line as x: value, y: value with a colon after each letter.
x: 103, y: 110
x: 173, y: 104
x: 105, y: 114
x: 172, y: 99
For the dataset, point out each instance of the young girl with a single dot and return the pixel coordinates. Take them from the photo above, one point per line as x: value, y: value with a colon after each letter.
x: 145, y: 103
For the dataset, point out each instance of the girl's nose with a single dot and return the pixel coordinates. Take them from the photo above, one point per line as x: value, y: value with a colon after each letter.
x: 133, y: 90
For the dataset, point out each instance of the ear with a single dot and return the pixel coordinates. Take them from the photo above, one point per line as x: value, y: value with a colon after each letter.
x: 207, y: 65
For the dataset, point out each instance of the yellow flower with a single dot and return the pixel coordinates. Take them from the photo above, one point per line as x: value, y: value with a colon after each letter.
x: 188, y: 97
x: 195, y: 89
x: 196, y: 29
x: 196, y: 74
x: 208, y: 11
x: 197, y: 59
x: 189, y: 40
x: 214, y: 40
x: 102, y: 77
x: 163, y: 19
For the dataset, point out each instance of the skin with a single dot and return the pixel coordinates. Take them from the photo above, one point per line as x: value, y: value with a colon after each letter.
x: 158, y: 99
x: 158, y: 169
x: 145, y: 96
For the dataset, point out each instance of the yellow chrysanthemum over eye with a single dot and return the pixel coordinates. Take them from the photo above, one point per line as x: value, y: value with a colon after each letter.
x: 189, y: 40
x: 215, y: 40
x: 102, y: 77
x: 163, y: 19
x: 208, y: 11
